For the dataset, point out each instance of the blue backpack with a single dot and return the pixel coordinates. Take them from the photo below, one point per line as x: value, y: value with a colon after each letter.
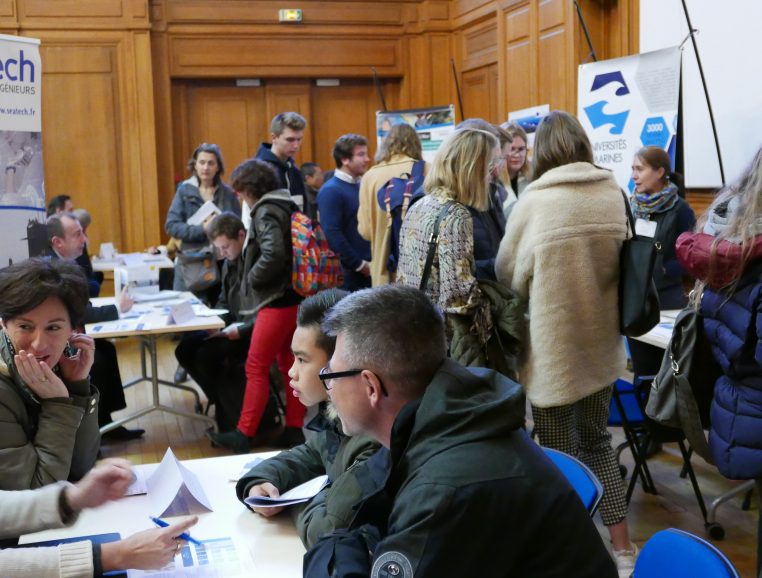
x: 395, y: 198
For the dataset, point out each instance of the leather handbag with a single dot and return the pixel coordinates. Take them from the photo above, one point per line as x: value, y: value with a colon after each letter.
x: 638, y: 298
x: 681, y: 394
x: 199, y: 268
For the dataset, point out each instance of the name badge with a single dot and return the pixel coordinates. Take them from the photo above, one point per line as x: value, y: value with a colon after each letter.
x: 645, y: 228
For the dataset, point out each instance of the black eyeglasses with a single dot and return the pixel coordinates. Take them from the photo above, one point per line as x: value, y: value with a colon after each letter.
x: 327, y: 377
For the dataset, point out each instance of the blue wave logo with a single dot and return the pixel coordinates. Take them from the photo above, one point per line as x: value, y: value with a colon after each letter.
x: 595, y: 112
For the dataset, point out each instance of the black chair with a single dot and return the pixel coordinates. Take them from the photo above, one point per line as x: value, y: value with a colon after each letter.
x: 628, y: 411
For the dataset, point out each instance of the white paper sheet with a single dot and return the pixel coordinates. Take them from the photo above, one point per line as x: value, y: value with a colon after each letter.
x: 174, y: 490
x: 297, y: 495
x: 203, y: 213
x: 218, y: 558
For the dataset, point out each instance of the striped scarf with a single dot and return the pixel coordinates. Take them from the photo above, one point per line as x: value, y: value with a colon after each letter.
x: 644, y: 205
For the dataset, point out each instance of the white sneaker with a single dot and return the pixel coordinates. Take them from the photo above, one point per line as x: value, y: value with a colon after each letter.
x: 625, y: 560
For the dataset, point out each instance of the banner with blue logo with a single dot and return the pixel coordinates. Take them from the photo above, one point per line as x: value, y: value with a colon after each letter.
x: 22, y: 188
x: 628, y: 103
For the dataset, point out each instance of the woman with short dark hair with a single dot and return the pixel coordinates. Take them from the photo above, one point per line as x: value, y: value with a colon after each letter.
x: 205, y: 184
x: 266, y: 293
x: 48, y: 409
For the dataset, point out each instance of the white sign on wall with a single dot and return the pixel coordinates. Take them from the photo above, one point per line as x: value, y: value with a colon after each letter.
x: 627, y: 103
x: 22, y: 189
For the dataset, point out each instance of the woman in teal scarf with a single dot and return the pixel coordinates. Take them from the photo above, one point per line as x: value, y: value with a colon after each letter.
x: 663, y: 214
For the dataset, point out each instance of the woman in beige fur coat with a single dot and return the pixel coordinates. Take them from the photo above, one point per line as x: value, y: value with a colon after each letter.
x: 561, y: 251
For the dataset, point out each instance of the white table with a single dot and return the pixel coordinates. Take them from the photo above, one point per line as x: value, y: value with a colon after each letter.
x: 123, y: 259
x: 149, y: 336
x: 266, y: 547
x: 659, y: 336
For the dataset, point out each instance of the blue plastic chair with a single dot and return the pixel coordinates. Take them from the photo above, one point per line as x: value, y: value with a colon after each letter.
x: 677, y: 554
x: 581, y: 478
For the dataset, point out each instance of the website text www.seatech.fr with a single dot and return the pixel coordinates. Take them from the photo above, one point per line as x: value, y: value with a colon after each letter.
x: 16, y: 111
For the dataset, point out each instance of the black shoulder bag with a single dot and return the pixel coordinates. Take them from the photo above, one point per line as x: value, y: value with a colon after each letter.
x: 638, y: 299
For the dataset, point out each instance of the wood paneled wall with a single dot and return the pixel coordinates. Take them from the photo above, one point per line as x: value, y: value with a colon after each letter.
x: 523, y: 53
x: 130, y: 86
x: 200, y: 49
x: 98, y: 130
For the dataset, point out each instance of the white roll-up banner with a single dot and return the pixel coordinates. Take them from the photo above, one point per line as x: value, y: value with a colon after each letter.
x: 22, y: 188
x: 628, y: 103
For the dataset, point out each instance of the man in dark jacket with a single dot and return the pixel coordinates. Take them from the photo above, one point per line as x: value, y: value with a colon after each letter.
x: 287, y: 130
x: 67, y: 241
x: 471, y: 494
x: 215, y: 361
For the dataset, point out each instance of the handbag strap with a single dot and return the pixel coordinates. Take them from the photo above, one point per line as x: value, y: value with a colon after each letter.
x: 433, y: 242
x: 628, y: 210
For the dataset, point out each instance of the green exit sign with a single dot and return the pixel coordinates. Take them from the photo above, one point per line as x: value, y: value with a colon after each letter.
x: 290, y: 15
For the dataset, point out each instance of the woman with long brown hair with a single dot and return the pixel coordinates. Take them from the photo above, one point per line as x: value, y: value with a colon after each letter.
x: 561, y: 252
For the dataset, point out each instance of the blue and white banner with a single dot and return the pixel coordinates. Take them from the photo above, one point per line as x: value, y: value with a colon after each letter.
x: 433, y: 126
x: 628, y: 103
x: 22, y: 187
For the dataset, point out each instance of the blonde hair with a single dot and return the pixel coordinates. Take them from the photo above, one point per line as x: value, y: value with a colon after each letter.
x: 401, y: 140
x: 560, y: 140
x: 461, y: 167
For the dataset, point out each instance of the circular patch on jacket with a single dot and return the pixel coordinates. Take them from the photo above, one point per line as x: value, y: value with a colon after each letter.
x: 392, y: 565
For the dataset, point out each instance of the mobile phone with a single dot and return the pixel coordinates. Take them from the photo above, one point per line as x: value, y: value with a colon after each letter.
x: 70, y: 351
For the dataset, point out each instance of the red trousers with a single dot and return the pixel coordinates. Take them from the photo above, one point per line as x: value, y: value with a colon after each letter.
x: 270, y: 341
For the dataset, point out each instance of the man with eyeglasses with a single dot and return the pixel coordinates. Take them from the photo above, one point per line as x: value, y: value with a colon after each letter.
x: 470, y: 493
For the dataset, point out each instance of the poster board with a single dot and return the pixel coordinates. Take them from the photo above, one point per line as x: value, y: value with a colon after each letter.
x: 627, y: 103
x: 433, y: 126
x: 22, y: 187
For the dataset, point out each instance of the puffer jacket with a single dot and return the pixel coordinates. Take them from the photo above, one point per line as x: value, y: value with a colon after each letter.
x: 733, y: 327
x: 267, y: 257
x: 328, y: 452
x: 489, y: 228
x: 44, y: 440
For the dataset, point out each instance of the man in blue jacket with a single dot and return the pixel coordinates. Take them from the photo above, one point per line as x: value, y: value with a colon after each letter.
x: 470, y: 493
x: 338, y: 202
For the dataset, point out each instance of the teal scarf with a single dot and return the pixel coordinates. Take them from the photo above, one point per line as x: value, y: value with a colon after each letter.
x: 644, y: 205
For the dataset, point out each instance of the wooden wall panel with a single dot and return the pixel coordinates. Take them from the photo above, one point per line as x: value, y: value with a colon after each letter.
x: 339, y: 110
x: 81, y: 156
x: 479, y: 45
x: 520, y: 76
x: 553, y: 78
x: 266, y: 12
x: 279, y: 56
x: 480, y: 93
x: 290, y: 95
x: 215, y: 110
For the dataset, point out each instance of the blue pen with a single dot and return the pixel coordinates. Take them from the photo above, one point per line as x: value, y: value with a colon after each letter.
x: 185, y: 536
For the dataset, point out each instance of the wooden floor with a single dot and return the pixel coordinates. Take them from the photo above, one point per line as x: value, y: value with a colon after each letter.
x: 675, y: 506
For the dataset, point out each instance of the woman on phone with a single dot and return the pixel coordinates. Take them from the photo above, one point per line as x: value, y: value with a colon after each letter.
x: 48, y: 408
